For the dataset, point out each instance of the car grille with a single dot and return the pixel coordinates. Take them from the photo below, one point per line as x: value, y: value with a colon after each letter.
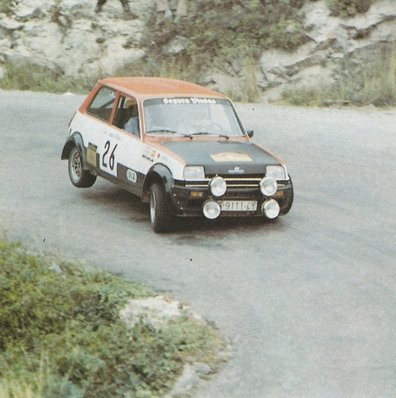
x: 233, y: 182
x: 246, y: 187
x: 245, y: 182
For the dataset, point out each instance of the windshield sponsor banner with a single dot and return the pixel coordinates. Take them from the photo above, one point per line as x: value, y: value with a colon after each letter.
x: 189, y: 100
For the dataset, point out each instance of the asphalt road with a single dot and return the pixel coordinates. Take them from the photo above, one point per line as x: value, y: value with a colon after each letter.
x: 308, y: 302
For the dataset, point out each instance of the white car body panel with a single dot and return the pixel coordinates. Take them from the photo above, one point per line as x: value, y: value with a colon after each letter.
x: 125, y: 148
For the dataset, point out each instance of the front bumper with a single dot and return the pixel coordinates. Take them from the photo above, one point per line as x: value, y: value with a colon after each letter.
x: 187, y: 198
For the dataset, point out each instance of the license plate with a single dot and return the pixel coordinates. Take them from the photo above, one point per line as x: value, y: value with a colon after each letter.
x: 238, y: 205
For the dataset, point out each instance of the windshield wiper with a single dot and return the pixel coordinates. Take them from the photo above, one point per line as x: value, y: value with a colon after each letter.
x: 161, y: 131
x: 169, y: 132
x: 209, y: 133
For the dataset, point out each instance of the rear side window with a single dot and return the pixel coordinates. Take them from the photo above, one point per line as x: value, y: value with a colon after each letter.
x: 102, y: 104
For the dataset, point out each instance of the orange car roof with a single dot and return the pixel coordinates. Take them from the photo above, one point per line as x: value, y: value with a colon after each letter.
x: 158, y: 86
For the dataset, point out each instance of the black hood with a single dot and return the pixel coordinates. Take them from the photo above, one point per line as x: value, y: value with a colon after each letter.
x: 223, y: 157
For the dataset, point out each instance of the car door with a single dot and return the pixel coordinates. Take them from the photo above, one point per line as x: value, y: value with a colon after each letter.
x: 100, y: 141
x: 125, y: 145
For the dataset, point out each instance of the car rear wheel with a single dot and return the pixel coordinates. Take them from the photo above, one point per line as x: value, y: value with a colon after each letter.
x: 160, y: 217
x: 78, y: 176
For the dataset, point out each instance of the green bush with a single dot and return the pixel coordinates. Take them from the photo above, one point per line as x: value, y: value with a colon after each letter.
x: 60, y: 334
x: 6, y: 6
x: 220, y: 32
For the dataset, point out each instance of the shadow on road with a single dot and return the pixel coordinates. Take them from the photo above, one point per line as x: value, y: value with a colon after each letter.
x: 123, y: 204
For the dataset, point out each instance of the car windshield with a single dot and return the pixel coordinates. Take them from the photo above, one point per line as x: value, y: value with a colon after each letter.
x: 188, y: 116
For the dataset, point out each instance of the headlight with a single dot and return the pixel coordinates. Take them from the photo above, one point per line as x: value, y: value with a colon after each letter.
x: 277, y: 172
x: 268, y: 186
x: 270, y: 208
x: 194, y: 173
x: 211, y: 209
x: 218, y: 186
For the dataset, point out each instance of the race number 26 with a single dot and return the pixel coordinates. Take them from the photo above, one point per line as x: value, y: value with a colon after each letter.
x: 108, y: 158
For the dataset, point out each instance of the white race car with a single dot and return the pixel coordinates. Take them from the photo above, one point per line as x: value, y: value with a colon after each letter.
x: 179, y: 146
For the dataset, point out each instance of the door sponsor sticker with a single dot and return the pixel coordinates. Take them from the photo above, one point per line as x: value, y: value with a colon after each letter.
x: 91, y: 154
x: 150, y: 154
x: 131, y: 176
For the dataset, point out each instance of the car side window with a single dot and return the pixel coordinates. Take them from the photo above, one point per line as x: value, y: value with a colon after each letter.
x: 127, y: 115
x: 102, y: 104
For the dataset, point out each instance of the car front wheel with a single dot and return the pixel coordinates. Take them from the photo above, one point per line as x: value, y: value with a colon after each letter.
x: 160, y: 217
x: 78, y: 176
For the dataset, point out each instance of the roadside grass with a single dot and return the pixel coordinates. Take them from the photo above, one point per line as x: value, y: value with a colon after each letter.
x: 29, y: 76
x: 244, y: 88
x: 61, y: 334
x: 360, y: 81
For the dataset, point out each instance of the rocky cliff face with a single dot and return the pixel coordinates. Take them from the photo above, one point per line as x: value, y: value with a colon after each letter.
x: 331, y: 40
x: 69, y: 37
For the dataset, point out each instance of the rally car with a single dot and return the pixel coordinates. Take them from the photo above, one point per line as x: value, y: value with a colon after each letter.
x: 178, y: 146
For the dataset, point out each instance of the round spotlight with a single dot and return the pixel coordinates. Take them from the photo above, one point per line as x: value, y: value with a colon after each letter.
x: 268, y: 186
x: 211, y: 209
x: 270, y: 208
x: 218, y: 186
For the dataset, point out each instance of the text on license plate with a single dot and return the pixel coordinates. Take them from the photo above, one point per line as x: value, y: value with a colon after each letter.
x: 238, y: 205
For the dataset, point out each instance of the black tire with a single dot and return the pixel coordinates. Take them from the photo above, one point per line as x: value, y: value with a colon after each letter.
x: 160, y: 217
x: 78, y: 176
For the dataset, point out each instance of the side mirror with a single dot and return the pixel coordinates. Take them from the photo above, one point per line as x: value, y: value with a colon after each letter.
x: 250, y: 133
